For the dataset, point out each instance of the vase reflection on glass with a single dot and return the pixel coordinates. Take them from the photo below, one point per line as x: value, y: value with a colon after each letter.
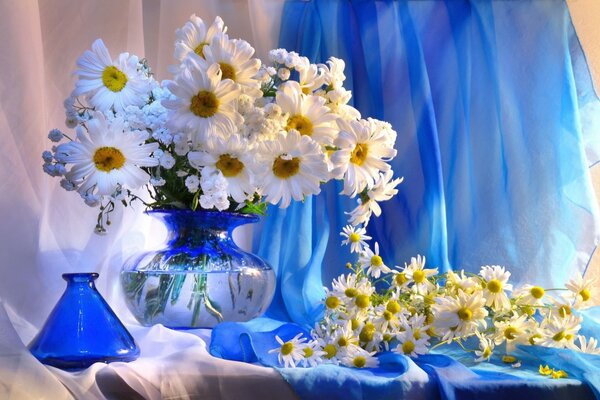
x: 82, y: 329
x: 201, y: 277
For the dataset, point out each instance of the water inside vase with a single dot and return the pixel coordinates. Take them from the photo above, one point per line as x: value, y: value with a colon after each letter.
x: 190, y: 299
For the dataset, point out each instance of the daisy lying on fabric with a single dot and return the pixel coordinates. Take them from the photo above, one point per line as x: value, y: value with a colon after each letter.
x: 227, y: 133
x: 418, y: 309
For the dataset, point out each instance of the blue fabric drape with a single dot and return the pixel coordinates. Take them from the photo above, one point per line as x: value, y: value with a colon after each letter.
x: 497, y: 127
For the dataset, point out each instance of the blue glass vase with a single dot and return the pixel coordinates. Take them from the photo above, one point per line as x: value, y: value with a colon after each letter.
x: 201, y: 277
x: 82, y: 329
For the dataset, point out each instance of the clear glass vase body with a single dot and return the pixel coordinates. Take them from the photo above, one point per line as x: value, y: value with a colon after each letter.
x: 201, y: 277
x: 82, y: 329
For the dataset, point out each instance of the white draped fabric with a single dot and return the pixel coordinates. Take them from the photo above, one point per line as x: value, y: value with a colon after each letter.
x: 45, y: 231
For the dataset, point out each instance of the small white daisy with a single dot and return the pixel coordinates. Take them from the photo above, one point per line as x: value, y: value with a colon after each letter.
x: 360, y: 358
x: 418, y: 275
x: 583, y: 289
x: 372, y: 261
x: 530, y: 295
x: 290, y: 353
x: 313, y: 354
x: 496, y: 283
x: 195, y: 35
x: 559, y: 332
x: 355, y: 237
x: 459, y: 316
x: 486, y: 348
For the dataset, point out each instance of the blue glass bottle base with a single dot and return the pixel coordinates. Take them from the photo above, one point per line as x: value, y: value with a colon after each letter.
x: 82, y: 329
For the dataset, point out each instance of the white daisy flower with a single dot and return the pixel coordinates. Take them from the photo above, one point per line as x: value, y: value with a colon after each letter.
x: 307, y: 114
x: 583, y: 289
x: 292, y: 167
x: 345, y: 340
x: 530, y: 295
x: 418, y: 275
x: 409, y: 345
x: 383, y: 190
x: 514, y: 331
x: 559, y: 332
x: 459, y: 281
x: 105, y: 157
x: 459, y: 316
x: 361, y: 156
x: 418, y: 324
x: 373, y: 262
x: 195, y: 35
x: 496, y: 281
x: 355, y: 237
x: 291, y: 352
x: 360, y: 358
x: 588, y: 345
x: 107, y: 83
x: 235, y: 60
x: 234, y: 158
x: 203, y: 103
x: 313, y: 354
x: 333, y: 300
x: 486, y: 348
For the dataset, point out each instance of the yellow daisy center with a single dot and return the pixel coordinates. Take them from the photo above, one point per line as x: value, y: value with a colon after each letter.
x: 287, y: 348
x: 330, y: 350
x: 205, y: 104
x: 533, y: 338
x: 509, y: 359
x: 200, y: 49
x: 388, y: 315
x: 108, y: 158
x: 359, y: 362
x: 537, y: 292
x: 585, y: 294
x: 332, y: 302
x: 564, y: 310
x: 401, y: 279
x: 494, y: 286
x: 227, y: 71
x: 354, y: 324
x: 393, y: 306
x: 354, y: 237
x: 511, y: 333
x: 300, y: 123
x: 306, y: 90
x: 465, y: 314
x: 359, y: 154
x: 114, y: 79
x: 229, y: 166
x: 308, y: 352
x: 559, y: 336
x: 417, y: 334
x: 343, y: 342
x: 408, y: 347
x: 362, y: 301
x: 351, y: 292
x: 487, y: 352
x: 376, y: 261
x: 387, y: 337
x: 367, y: 332
x: 418, y: 276
x: 285, y: 169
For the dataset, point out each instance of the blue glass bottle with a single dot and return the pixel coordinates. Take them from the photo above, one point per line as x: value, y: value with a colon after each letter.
x: 82, y: 329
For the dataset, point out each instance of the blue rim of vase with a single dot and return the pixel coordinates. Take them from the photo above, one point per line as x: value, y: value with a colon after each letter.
x: 199, y: 212
x: 73, y: 275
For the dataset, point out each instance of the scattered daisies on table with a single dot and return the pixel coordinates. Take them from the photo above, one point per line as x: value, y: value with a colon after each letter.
x: 225, y: 133
x: 377, y: 307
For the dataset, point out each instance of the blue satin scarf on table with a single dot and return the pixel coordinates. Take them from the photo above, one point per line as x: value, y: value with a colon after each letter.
x: 497, y: 127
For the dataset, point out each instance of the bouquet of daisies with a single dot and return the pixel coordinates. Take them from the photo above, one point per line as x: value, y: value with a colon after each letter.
x: 412, y: 309
x: 226, y: 133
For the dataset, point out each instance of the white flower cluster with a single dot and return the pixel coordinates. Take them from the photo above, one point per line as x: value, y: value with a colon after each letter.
x: 420, y: 308
x: 226, y: 133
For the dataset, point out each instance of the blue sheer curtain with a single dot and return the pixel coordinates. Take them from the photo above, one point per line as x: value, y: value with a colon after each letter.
x: 497, y: 127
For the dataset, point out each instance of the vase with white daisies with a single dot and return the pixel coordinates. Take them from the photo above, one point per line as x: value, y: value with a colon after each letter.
x: 227, y: 134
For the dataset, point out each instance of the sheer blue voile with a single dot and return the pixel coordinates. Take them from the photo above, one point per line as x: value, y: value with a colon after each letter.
x: 497, y: 127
